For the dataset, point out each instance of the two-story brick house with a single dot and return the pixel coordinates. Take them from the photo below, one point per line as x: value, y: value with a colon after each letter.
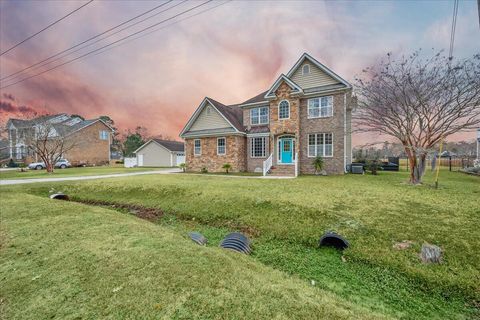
x: 91, y: 139
x: 305, y: 113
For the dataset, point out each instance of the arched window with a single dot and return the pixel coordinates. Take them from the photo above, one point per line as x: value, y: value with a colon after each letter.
x: 306, y: 69
x: 283, y: 110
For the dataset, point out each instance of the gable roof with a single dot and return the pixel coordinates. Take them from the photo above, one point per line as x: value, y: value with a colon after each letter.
x: 271, y: 93
x: 306, y: 56
x: 171, y: 145
x: 232, y: 114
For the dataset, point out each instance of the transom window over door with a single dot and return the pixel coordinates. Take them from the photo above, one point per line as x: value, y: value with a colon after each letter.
x: 320, y: 144
x: 321, y: 107
x: 197, y: 149
x: 221, y: 146
x: 259, y: 115
x: 284, y: 110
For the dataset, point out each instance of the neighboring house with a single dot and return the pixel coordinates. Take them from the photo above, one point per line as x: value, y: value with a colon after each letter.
x: 305, y: 113
x: 160, y: 153
x: 91, y: 139
x: 4, y: 149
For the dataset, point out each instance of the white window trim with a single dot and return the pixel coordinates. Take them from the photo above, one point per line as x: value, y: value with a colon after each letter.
x: 225, y: 139
x: 195, y: 149
x: 101, y: 134
x: 259, y: 116
x: 288, y: 110
x: 264, y: 139
x: 320, y: 116
x: 308, y: 145
x: 309, y: 69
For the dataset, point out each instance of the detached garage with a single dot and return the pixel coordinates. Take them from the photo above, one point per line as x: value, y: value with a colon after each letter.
x: 160, y: 153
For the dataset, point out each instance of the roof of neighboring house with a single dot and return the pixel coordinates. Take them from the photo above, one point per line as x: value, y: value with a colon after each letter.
x: 171, y: 145
x: 20, y: 123
x: 63, y: 127
x: 233, y: 113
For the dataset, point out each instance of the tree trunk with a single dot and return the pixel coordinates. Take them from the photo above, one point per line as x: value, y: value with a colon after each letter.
x: 49, y: 167
x: 414, y: 165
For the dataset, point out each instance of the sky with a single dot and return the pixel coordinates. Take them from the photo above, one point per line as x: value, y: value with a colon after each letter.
x: 230, y: 53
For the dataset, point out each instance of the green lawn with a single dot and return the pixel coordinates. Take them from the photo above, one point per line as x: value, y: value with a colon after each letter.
x: 69, y: 172
x: 286, y: 217
x: 70, y: 261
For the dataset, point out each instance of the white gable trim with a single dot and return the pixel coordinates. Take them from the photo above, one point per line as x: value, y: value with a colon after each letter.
x: 319, y: 65
x: 291, y: 84
x: 195, y: 115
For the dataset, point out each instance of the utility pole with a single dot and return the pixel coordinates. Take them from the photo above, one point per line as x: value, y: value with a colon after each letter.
x: 478, y: 131
x: 478, y: 6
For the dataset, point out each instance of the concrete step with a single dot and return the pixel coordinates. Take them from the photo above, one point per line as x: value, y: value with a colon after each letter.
x: 282, y: 170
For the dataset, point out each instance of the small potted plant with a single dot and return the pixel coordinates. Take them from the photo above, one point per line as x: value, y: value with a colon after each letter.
x: 183, y: 166
x: 318, y: 164
x: 226, y: 167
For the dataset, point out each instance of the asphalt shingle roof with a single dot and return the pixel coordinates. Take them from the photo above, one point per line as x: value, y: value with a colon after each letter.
x: 171, y: 145
x: 233, y: 113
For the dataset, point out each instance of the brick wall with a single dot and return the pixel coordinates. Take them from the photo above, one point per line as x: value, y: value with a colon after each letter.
x: 89, y: 149
x: 236, y: 154
x: 335, y: 125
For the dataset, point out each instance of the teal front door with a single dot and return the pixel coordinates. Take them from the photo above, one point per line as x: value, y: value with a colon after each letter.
x: 286, y: 150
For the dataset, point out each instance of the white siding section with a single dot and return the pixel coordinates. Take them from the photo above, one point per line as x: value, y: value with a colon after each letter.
x: 209, y: 120
x: 315, y: 78
x: 155, y: 156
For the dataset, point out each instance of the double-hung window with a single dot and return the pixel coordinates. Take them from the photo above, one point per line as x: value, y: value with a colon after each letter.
x: 320, y: 144
x: 103, y: 135
x: 259, y: 115
x: 321, y: 107
x: 284, y: 110
x: 197, y: 147
x: 258, y: 147
x: 221, y: 146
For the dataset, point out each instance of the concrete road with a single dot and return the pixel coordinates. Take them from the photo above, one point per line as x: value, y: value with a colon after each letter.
x: 76, y: 178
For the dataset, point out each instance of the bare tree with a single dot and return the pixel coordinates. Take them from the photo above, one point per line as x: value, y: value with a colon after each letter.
x: 420, y: 102
x: 48, y: 141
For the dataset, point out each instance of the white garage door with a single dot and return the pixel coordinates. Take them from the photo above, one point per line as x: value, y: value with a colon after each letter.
x: 140, y: 160
x: 180, y: 158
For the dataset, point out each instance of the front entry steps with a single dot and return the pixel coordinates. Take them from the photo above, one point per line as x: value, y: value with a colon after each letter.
x: 282, y: 170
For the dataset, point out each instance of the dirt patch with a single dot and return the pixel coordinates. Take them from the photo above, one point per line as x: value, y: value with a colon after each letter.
x: 150, y: 214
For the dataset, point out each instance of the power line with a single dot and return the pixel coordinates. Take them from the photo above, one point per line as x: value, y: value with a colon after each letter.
x: 42, y: 62
x: 454, y: 25
x: 108, y: 45
x: 51, y: 24
x: 163, y: 27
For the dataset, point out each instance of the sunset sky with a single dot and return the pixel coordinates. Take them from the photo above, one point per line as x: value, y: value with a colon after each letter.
x: 229, y: 53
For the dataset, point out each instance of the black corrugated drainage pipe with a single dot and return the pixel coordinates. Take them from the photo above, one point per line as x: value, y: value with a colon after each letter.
x: 237, y: 242
x: 198, y: 238
x: 332, y: 239
x: 59, y: 196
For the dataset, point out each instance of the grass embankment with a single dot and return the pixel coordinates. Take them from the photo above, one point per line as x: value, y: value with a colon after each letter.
x: 70, y: 172
x: 286, y: 218
x: 70, y: 261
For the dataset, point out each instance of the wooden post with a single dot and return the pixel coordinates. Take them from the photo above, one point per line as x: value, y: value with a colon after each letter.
x: 438, y: 167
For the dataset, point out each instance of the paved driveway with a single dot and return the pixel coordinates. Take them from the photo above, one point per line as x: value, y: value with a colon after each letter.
x: 23, y: 181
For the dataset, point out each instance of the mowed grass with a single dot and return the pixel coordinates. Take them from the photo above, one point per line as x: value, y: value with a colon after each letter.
x: 70, y: 172
x: 70, y: 261
x: 286, y: 217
